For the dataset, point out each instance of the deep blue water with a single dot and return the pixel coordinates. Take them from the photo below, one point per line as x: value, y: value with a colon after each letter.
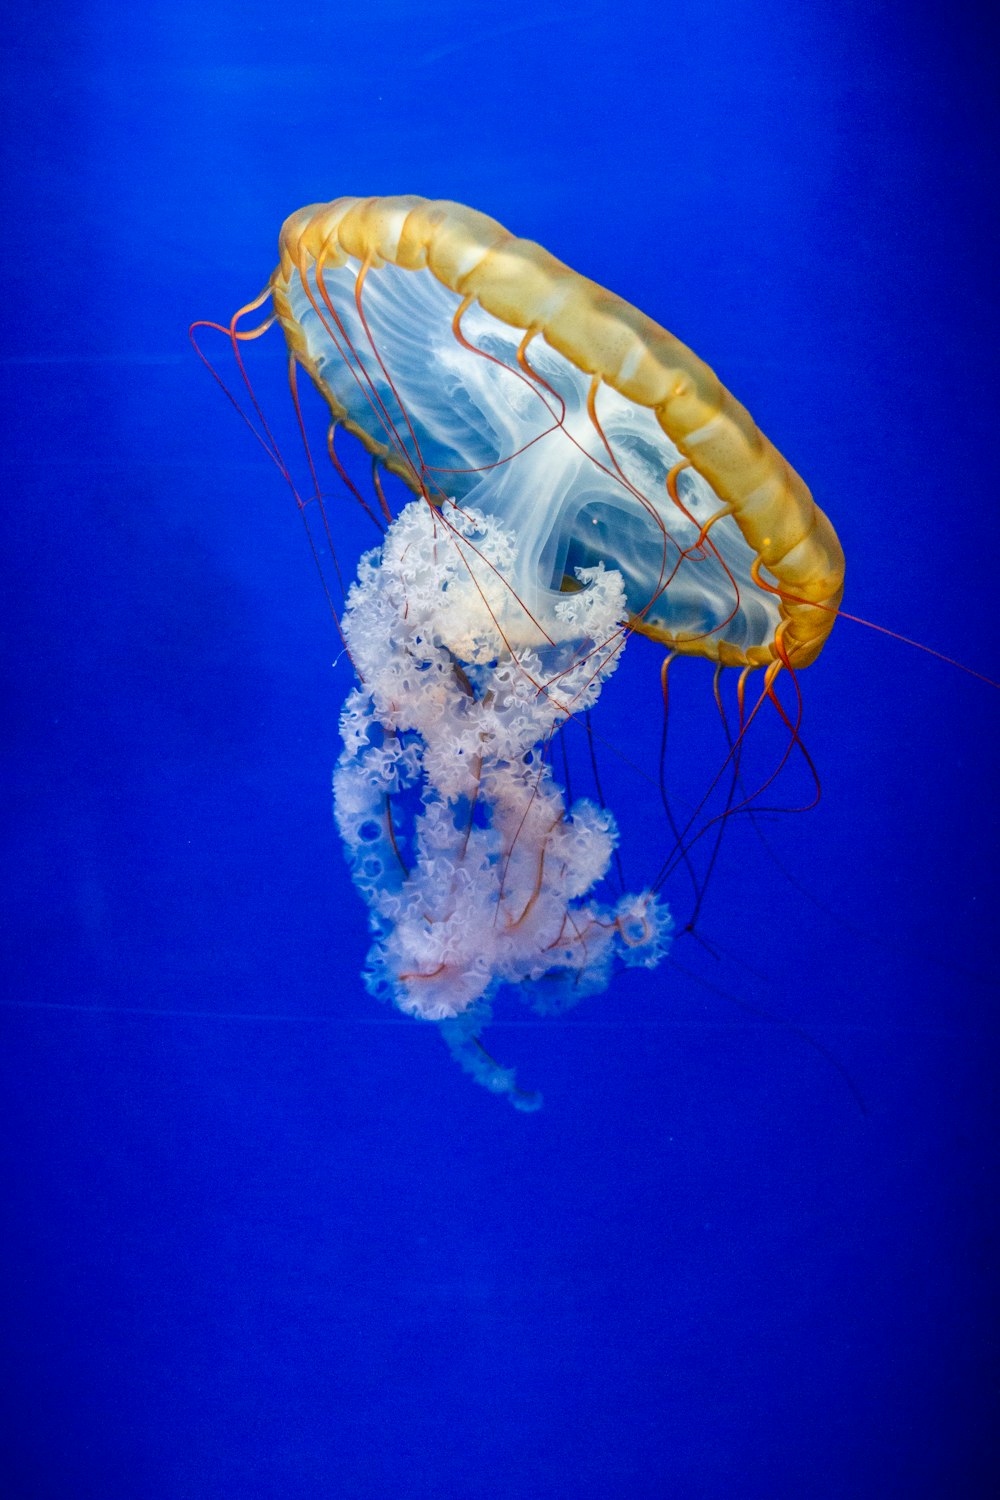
x: 262, y: 1238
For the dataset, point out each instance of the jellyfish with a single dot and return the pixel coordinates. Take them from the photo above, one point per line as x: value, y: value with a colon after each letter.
x: 576, y: 476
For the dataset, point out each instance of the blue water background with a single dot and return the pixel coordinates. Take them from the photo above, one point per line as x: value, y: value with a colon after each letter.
x: 261, y: 1237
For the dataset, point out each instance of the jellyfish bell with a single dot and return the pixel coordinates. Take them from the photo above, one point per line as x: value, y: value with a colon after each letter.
x: 450, y: 347
x: 577, y: 475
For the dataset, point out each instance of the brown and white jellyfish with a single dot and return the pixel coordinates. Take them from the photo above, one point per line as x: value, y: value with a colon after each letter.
x: 577, y: 475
